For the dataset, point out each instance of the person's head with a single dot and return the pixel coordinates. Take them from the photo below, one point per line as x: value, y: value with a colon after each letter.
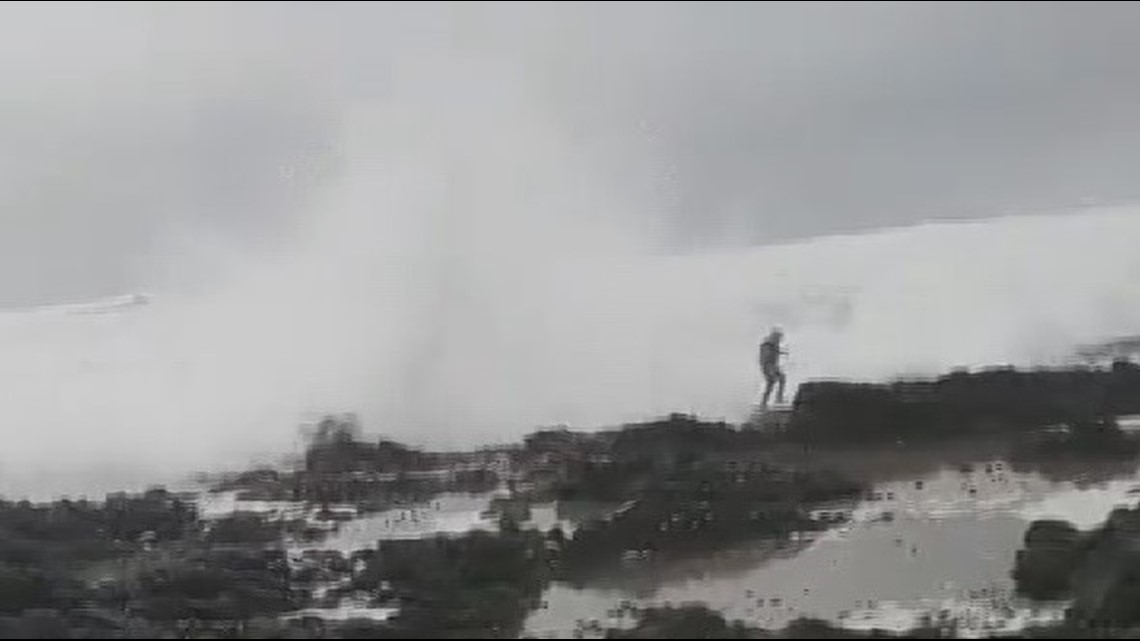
x: 776, y: 335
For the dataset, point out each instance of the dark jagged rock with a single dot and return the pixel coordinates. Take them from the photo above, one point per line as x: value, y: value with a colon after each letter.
x: 1106, y: 583
x: 1044, y: 567
x: 704, y: 507
x: 250, y: 529
x: 73, y: 531
x: 816, y: 629
x: 23, y: 588
x: 340, y: 467
x: 964, y: 403
x: 225, y: 586
x: 615, y: 465
x: 127, y: 568
x: 475, y: 586
x: 684, y: 486
x: 699, y: 622
x: 146, y: 566
x: 338, y: 448
x: 1099, y: 570
x: 677, y: 440
x: 689, y: 622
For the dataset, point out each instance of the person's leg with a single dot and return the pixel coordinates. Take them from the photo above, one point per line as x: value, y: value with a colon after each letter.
x: 768, y: 384
x: 781, y: 380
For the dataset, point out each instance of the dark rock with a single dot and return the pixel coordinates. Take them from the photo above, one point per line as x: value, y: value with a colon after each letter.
x: 998, y: 400
x: 1044, y: 568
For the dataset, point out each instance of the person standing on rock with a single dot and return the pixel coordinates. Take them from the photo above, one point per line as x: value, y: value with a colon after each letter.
x: 770, y: 353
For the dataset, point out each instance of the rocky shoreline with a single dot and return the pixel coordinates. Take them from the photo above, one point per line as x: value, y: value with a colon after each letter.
x: 176, y: 565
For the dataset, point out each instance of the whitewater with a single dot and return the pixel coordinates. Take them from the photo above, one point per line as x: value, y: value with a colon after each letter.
x: 188, y: 382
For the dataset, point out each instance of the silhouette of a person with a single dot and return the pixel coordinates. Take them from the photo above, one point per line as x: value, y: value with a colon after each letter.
x: 770, y: 352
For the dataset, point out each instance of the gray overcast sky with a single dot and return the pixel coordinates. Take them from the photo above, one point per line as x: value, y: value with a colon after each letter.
x: 125, y: 128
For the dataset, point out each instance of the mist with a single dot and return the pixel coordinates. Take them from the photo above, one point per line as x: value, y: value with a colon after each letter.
x: 463, y: 223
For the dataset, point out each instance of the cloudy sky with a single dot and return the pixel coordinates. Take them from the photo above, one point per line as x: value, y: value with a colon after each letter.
x: 133, y: 132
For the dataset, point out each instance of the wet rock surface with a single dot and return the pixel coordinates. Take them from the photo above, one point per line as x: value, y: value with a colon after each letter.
x: 998, y: 400
x: 698, y: 622
x: 1099, y: 570
x: 374, y: 539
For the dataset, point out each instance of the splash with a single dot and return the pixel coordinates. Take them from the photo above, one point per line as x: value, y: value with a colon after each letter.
x: 472, y: 274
